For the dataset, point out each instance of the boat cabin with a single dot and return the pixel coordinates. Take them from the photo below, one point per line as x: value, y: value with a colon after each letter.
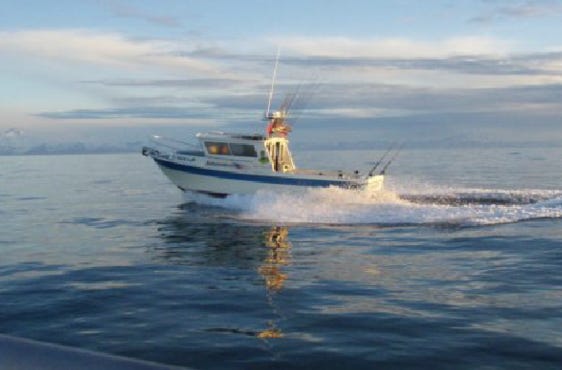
x: 245, y: 148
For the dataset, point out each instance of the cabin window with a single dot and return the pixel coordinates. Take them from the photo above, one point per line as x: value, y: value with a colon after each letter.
x: 243, y: 150
x: 240, y: 150
x: 217, y: 148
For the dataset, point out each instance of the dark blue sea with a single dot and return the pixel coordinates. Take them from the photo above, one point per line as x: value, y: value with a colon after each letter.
x: 457, y: 265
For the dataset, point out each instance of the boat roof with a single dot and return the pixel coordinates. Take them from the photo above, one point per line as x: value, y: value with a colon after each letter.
x: 229, y: 136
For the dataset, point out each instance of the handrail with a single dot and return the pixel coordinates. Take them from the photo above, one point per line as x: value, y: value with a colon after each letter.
x: 161, y: 140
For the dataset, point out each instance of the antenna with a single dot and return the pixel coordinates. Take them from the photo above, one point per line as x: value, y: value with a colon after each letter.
x: 273, y: 82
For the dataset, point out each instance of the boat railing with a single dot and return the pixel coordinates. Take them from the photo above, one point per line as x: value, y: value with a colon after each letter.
x: 330, y: 173
x: 174, y: 145
x: 231, y: 135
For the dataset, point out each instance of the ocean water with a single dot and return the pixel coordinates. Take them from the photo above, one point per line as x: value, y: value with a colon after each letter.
x: 457, y: 265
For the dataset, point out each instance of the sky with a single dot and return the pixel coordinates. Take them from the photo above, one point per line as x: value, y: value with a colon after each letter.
x: 485, y: 68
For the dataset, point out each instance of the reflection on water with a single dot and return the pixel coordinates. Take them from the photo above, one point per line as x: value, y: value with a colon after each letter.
x: 279, y: 255
x: 190, y: 240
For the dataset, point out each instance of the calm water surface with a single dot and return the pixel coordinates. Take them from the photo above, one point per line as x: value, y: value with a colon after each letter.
x: 457, y: 265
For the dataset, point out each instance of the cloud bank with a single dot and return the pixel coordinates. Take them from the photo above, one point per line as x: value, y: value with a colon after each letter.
x: 519, y: 10
x: 101, y: 49
x: 349, y: 78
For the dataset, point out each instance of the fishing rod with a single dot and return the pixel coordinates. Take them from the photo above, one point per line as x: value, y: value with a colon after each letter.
x: 391, y: 159
x: 302, y: 99
x: 273, y: 82
x: 377, y: 163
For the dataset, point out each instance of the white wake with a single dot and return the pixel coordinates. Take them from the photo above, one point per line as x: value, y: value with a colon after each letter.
x: 464, y: 207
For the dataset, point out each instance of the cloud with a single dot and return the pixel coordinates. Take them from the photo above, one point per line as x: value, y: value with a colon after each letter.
x: 465, y: 61
x: 466, y: 65
x: 362, y: 99
x: 219, y: 98
x: 101, y: 49
x: 359, y: 77
x: 129, y: 112
x: 200, y: 83
x: 155, y: 112
x: 395, y: 48
x: 128, y: 11
x: 520, y: 10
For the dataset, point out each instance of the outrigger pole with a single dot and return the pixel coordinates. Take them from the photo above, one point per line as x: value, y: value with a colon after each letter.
x: 272, y: 83
x: 377, y: 163
x: 392, y: 159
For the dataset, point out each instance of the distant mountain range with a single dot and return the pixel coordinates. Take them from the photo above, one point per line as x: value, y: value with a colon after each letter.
x: 16, y: 142
x: 325, y: 134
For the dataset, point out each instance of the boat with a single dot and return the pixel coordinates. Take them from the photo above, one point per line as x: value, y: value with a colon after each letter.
x: 221, y: 164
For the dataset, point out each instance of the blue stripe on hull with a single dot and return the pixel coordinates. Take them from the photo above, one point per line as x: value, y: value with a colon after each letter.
x: 254, y: 178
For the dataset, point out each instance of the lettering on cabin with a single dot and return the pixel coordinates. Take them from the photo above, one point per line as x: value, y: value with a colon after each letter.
x: 223, y: 164
x: 186, y: 159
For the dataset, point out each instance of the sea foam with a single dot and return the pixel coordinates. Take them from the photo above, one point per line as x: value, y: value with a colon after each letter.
x: 447, y: 206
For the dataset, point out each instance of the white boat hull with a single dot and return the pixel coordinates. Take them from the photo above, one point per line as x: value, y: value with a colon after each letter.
x: 224, y: 182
